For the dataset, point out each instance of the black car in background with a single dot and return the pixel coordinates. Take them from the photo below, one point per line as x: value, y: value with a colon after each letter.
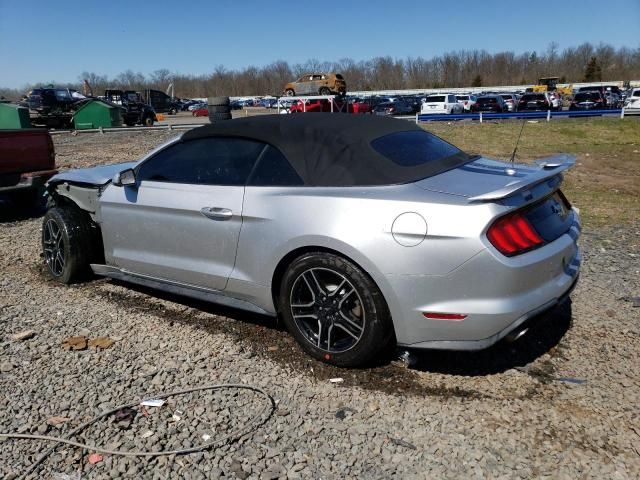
x: 413, y: 101
x: 534, y: 102
x: 490, y: 104
x: 588, y: 100
x: 396, y: 107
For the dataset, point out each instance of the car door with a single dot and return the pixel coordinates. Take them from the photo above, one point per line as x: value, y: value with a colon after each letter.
x: 181, y: 221
x: 306, y: 85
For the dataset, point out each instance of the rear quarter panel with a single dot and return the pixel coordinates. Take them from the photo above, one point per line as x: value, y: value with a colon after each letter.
x: 356, y: 222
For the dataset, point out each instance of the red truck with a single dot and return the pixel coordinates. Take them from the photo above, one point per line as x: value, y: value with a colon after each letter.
x: 27, y: 161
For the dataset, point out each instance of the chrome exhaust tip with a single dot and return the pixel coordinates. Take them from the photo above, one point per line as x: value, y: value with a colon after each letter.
x: 516, y: 334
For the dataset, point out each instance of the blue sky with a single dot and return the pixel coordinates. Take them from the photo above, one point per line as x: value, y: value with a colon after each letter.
x: 57, y: 40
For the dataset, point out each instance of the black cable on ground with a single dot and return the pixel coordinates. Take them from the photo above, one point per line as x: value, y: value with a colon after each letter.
x: 236, y: 434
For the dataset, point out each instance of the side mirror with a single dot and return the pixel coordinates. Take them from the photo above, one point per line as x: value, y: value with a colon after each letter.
x: 125, y: 178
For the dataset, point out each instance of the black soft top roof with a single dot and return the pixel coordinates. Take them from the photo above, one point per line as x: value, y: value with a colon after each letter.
x: 331, y: 149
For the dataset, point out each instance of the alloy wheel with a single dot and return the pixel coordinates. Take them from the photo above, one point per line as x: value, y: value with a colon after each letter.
x: 53, y: 247
x: 327, y: 310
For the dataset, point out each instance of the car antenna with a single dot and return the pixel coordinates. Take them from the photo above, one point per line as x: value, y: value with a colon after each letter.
x: 513, y: 155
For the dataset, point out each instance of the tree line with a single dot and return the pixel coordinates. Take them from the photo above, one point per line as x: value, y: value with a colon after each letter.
x: 585, y: 62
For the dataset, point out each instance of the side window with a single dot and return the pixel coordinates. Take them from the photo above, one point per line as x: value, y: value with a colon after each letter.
x: 204, y: 161
x: 274, y: 170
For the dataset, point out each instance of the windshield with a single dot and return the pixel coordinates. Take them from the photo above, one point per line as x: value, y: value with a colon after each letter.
x: 435, y: 99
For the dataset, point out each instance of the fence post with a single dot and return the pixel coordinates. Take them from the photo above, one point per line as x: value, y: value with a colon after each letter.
x: 548, y: 115
x: 417, y: 117
x: 622, y: 113
x: 480, y: 117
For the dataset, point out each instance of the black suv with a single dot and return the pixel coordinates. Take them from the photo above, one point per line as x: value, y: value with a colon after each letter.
x: 134, y: 110
x: 53, y: 107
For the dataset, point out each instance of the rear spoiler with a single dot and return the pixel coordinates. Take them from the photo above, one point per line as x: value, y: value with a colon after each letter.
x: 547, y: 168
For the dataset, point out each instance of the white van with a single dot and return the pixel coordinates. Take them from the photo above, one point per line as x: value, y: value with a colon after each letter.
x: 445, y: 103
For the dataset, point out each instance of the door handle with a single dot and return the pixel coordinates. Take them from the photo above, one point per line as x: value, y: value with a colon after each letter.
x: 216, y: 213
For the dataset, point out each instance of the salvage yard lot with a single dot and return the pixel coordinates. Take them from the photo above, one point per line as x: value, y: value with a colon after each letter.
x: 560, y: 403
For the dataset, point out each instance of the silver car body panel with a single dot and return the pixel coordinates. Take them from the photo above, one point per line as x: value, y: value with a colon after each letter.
x: 158, y: 229
x: 424, y: 244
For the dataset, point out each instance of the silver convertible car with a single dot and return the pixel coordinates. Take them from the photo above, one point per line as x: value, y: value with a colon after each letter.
x: 359, y: 232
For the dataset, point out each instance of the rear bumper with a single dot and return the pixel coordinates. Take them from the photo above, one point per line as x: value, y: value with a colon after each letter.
x: 497, y: 294
x: 434, y: 111
x: 24, y: 181
x: 522, y: 322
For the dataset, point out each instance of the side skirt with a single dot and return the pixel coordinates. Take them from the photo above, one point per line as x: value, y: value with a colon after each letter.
x: 186, y: 290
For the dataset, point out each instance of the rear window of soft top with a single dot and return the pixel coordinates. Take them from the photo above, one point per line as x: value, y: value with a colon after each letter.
x: 413, y: 148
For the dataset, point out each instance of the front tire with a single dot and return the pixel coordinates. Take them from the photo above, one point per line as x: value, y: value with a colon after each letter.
x: 67, y: 244
x: 324, y: 91
x: 334, y: 310
x: 148, y: 121
x: 289, y: 92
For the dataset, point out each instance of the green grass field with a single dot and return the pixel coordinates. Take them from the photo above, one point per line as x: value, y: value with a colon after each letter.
x: 604, y: 184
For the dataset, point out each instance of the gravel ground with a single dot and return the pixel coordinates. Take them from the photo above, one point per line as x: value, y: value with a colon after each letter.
x: 562, y: 402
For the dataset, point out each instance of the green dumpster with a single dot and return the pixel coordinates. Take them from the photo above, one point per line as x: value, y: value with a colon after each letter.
x: 13, y: 116
x: 96, y: 114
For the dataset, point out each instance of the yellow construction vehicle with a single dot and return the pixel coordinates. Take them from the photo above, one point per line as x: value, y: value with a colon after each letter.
x: 550, y: 84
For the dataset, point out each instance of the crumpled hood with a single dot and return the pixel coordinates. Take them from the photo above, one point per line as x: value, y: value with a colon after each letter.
x: 92, y: 176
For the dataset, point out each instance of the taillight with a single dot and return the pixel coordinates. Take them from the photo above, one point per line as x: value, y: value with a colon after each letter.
x: 513, y: 234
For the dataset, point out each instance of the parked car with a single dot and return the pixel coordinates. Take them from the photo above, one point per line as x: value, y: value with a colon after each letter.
x: 511, y: 101
x: 588, y: 100
x: 602, y: 89
x: 345, y: 268
x: 632, y: 96
x: 415, y: 102
x: 308, y: 106
x: 270, y: 103
x: 397, y: 107
x: 489, y: 103
x: 27, y: 161
x: 444, y: 104
x: 535, y: 102
x: 360, y: 105
x: 466, y: 101
x: 632, y: 103
x: 317, y: 84
x: 200, y: 112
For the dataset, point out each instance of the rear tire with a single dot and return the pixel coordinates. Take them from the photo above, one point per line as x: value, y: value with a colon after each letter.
x: 219, y: 117
x: 219, y: 109
x: 325, y: 91
x: 68, y: 244
x: 289, y: 92
x: 341, y: 317
x: 148, y: 121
